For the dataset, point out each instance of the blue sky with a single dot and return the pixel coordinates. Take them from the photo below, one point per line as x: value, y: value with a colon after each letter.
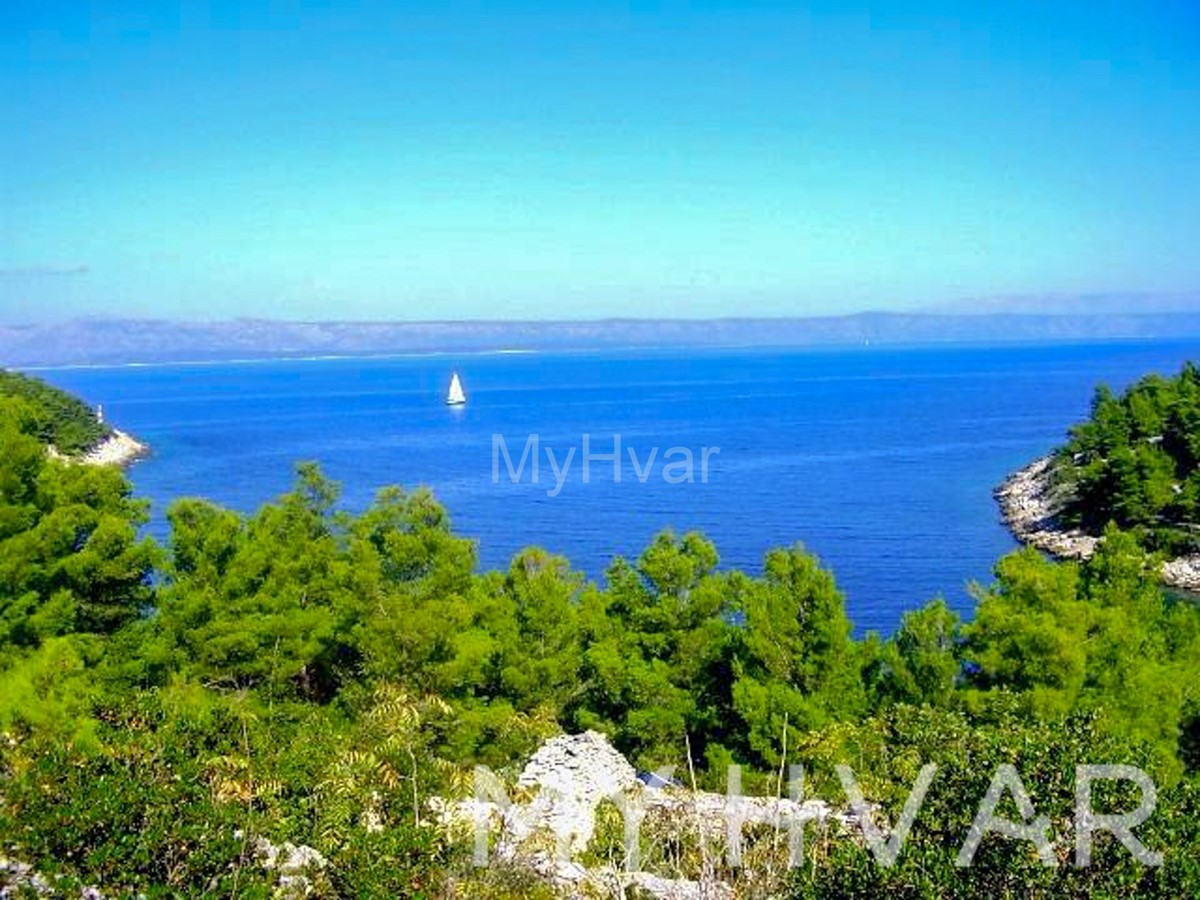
x: 382, y: 161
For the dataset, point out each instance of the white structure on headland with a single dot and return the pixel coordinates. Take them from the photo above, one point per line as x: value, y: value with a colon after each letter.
x: 100, y: 413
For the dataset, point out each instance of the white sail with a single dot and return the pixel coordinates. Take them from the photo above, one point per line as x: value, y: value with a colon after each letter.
x: 456, y: 397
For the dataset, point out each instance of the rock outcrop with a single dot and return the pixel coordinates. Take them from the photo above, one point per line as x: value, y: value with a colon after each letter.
x: 118, y: 449
x: 18, y: 879
x: 1031, y: 503
x: 568, y: 777
x: 298, y: 868
x: 550, y: 825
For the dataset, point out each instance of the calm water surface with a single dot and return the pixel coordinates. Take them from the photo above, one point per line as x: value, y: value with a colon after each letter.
x: 882, y: 461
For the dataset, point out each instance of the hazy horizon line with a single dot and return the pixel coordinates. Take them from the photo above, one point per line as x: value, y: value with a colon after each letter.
x: 1012, y: 304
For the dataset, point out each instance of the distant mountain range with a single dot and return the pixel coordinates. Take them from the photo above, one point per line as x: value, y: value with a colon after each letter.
x: 96, y: 341
x: 1111, y: 304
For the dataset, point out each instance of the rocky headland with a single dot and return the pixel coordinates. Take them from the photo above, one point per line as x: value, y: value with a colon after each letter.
x: 118, y: 449
x: 1031, y: 502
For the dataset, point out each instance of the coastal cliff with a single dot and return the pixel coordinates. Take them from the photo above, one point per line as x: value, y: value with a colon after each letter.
x: 1031, y: 501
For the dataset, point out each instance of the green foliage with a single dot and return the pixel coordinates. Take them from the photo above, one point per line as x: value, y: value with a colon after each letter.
x: 50, y: 691
x: 887, y: 753
x: 308, y: 675
x: 921, y: 663
x: 650, y: 646
x: 267, y: 602
x: 395, y: 862
x: 793, y: 660
x: 70, y: 557
x: 56, y: 418
x: 1103, y: 635
x: 1135, y: 462
x: 135, y: 818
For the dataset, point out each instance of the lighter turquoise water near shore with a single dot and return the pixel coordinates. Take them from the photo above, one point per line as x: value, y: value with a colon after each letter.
x: 882, y: 461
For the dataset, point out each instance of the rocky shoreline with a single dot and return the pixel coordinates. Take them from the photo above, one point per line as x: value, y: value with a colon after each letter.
x: 1030, y: 503
x: 118, y: 449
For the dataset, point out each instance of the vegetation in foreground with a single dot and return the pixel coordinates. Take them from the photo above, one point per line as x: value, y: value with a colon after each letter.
x: 307, y: 675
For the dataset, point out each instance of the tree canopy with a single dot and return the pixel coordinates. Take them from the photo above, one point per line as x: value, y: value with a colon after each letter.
x: 56, y: 417
x: 1135, y: 462
x: 312, y: 674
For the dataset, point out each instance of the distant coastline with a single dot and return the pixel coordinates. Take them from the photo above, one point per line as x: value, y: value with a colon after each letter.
x: 266, y: 360
x: 1030, y: 504
x: 111, y: 342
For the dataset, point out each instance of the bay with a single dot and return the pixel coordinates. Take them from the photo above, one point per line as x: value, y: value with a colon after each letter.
x: 880, y: 460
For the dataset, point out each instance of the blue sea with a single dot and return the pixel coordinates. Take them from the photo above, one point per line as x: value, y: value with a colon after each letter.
x: 881, y: 461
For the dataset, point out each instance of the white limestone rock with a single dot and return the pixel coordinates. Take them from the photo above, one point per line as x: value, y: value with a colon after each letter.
x: 297, y: 866
x: 572, y: 773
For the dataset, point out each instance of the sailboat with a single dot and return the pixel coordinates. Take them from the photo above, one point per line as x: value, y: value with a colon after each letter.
x: 455, y: 397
